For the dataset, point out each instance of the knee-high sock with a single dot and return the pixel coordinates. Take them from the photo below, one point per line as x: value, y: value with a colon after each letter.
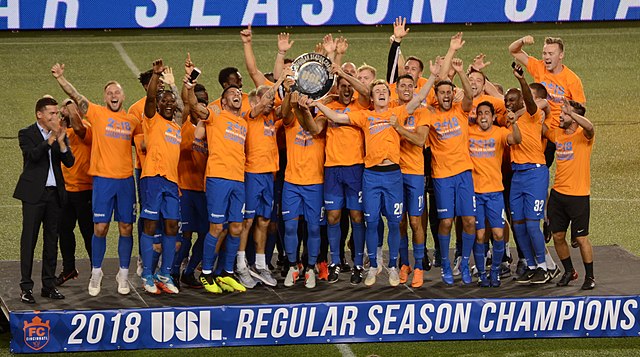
x: 125, y: 246
x: 334, y: 232
x: 291, y: 240
x: 98, y: 248
x: 418, y: 255
x: 155, y: 260
x: 524, y: 243
x: 479, y: 255
x: 498, y: 252
x: 357, y: 231
x: 313, y: 244
x: 444, y: 241
x: 196, y: 254
x: 537, y: 241
x: 146, y: 250
x: 404, y: 249
x: 371, y: 237
x: 168, y: 253
x: 467, y: 245
x: 209, y: 254
x: 380, y: 227
x: 232, y: 243
x: 394, y: 242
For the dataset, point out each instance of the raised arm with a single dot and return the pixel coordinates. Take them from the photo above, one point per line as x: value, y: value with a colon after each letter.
x: 329, y: 45
x: 58, y: 73
x: 529, y: 101
x: 364, y: 96
x: 467, y: 100
x: 415, y: 102
x: 257, y: 77
x: 75, y: 120
x: 152, y: 89
x: 393, y: 60
x: 283, y: 46
x: 587, y: 126
x: 455, y: 44
x: 515, y: 49
x: 341, y: 49
x: 514, y: 137
x: 417, y: 138
x: 313, y: 126
x: 331, y: 114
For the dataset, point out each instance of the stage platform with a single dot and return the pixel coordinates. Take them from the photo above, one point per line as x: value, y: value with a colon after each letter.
x: 260, y: 310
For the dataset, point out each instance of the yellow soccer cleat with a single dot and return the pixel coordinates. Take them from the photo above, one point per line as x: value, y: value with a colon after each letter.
x: 228, y: 283
x: 210, y: 286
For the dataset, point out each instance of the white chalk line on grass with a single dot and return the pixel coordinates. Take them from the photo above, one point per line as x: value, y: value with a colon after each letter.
x: 345, y: 350
x: 127, y: 60
x: 302, y: 38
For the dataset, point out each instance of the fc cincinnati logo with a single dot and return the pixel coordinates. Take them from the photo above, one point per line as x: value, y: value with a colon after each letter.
x: 36, y: 333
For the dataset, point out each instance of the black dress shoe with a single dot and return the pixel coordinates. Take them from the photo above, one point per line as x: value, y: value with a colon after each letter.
x: 51, y: 293
x: 589, y: 283
x: 64, y: 276
x: 27, y: 297
x: 567, y: 277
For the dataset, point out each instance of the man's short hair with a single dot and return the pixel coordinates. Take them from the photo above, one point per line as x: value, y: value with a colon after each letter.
x: 261, y: 90
x: 163, y: 92
x: 44, y: 102
x: 405, y: 76
x: 287, y: 60
x: 556, y: 40
x: 67, y: 101
x: 229, y: 87
x: 578, y: 108
x: 487, y: 104
x: 199, y: 88
x: 443, y: 83
x: 110, y: 83
x: 378, y: 82
x: 269, y: 76
x: 225, y: 73
x: 203, y: 101
x: 539, y: 90
x: 367, y: 67
x: 252, y: 94
x: 145, y: 77
x: 414, y: 58
x: 473, y: 70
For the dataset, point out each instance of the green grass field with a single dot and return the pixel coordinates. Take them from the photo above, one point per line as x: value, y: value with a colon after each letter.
x: 604, y: 55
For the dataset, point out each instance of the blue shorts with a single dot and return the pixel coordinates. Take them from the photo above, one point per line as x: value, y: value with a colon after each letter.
x: 225, y: 200
x: 114, y: 194
x: 160, y: 197
x: 490, y: 206
x: 343, y: 183
x: 193, y: 210
x: 382, y: 191
x: 529, y: 193
x: 413, y: 187
x: 303, y: 200
x: 455, y: 196
x: 258, y: 195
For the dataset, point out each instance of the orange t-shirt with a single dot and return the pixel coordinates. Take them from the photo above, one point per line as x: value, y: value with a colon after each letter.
x: 193, y: 159
x: 531, y: 149
x: 382, y: 141
x: 449, y: 141
x: 162, y: 139
x: 137, y: 110
x: 565, y: 84
x: 345, y: 143
x: 487, y: 150
x: 498, y: 105
x: 411, y: 157
x: 261, y: 146
x: 431, y: 99
x: 573, y: 160
x: 216, y: 105
x: 305, y: 156
x: 226, y: 135
x: 76, y: 177
x: 111, y: 142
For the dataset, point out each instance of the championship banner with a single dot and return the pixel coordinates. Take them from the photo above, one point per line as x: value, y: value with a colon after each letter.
x: 377, y: 321
x: 109, y: 14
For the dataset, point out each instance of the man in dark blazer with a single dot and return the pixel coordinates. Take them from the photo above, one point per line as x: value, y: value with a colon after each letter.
x: 41, y: 189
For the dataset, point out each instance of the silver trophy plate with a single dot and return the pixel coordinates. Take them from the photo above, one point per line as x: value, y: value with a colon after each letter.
x: 312, y: 75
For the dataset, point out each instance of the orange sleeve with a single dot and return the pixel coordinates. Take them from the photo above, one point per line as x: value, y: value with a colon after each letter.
x: 535, y: 67
x: 358, y: 118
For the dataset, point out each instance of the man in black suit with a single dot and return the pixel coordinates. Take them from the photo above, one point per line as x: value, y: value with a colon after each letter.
x: 41, y: 189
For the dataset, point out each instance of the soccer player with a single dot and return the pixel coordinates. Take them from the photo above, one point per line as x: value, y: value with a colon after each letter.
x: 529, y: 183
x: 343, y: 175
x: 226, y: 132
x: 230, y: 76
x: 486, y: 146
x: 112, y: 169
x: 569, y: 199
x: 561, y: 82
x: 78, y: 184
x: 159, y: 180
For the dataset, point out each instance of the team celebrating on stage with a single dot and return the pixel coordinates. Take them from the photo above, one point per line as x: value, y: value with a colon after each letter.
x: 274, y: 168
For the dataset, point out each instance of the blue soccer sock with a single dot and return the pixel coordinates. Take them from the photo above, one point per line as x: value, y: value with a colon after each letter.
x: 291, y: 240
x: 498, y: 253
x: 418, y: 255
x: 444, y: 241
x: 524, y: 243
x: 479, y: 256
x: 404, y: 249
x: 196, y: 254
x: 371, y: 238
x: 467, y: 245
x: 394, y: 242
x: 179, y: 256
x: 156, y: 260
x: 98, y: 248
x: 168, y: 253
x: 333, y: 234
x: 380, y: 227
x: 537, y: 241
x: 146, y: 251
x: 125, y: 246
x: 313, y: 244
x: 357, y: 234
x: 231, y: 245
x: 209, y: 253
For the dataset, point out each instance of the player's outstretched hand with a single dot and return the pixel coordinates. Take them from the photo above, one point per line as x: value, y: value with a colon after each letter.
x: 245, y: 34
x: 456, y: 42
x: 57, y: 70
x: 399, y: 29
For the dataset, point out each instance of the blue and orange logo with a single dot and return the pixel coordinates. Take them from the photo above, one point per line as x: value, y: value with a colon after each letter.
x: 36, y: 333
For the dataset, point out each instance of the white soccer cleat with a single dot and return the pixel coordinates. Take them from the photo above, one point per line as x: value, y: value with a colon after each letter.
x: 123, y: 281
x: 95, y: 282
x: 310, y: 279
x: 394, y: 277
x: 371, y: 276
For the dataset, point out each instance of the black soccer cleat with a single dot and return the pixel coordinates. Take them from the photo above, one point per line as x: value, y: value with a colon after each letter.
x: 334, y: 273
x: 554, y: 273
x: 357, y: 275
x: 540, y: 276
x: 589, y: 283
x: 526, y: 276
x: 567, y: 277
x: 64, y: 276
